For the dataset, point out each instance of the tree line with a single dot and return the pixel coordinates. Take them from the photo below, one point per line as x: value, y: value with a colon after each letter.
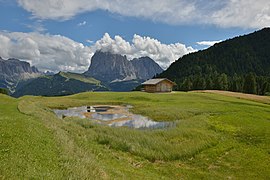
x: 241, y: 64
x: 249, y: 83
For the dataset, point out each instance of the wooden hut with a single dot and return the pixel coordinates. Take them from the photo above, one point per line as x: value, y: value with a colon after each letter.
x: 158, y: 85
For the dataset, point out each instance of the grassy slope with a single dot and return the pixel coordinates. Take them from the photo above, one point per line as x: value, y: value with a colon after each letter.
x: 80, y: 78
x: 252, y: 97
x: 27, y: 147
x: 215, y: 137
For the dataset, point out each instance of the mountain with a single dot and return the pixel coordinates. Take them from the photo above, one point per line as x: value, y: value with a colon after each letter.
x: 120, y: 74
x: 12, y: 71
x: 59, y: 84
x: 108, y: 67
x: 229, y: 65
x: 145, y: 67
x: 107, y: 72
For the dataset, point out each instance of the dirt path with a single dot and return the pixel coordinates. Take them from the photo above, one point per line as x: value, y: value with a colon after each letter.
x: 252, y: 97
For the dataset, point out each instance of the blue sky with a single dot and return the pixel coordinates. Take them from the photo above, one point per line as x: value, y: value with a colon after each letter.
x: 165, y: 26
x: 15, y: 18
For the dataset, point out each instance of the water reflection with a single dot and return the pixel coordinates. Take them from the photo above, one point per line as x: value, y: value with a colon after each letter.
x: 139, y: 121
x: 107, y: 117
x: 114, y: 116
x: 71, y: 112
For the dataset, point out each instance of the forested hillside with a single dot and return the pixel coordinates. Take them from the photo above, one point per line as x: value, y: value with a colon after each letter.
x: 241, y: 64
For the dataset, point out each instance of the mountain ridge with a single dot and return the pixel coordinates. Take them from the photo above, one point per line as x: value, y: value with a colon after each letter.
x: 12, y: 71
x: 146, y: 67
x: 108, y: 71
x: 109, y: 67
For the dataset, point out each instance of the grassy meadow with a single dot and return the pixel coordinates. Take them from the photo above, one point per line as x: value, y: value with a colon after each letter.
x: 215, y: 137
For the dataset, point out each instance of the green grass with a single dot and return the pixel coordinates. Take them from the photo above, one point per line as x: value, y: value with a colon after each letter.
x: 216, y: 137
x: 79, y: 77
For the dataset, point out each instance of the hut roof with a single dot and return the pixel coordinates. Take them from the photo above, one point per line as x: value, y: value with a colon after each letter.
x: 156, y: 81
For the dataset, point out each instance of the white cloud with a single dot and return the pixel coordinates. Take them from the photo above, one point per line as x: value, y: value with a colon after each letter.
x: 225, y: 13
x: 243, y: 13
x: 163, y: 54
x: 37, y: 26
x: 5, y: 46
x: 59, y: 53
x: 208, y: 43
x: 47, y: 52
x: 117, y: 45
x: 82, y: 23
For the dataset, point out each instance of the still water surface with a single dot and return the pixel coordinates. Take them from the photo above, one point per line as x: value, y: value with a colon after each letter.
x: 114, y: 116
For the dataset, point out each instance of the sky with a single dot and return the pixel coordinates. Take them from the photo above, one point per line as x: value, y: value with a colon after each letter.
x: 62, y: 35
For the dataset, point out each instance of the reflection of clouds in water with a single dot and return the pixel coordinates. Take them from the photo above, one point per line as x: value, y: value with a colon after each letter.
x: 139, y: 121
x: 107, y: 117
x: 131, y: 120
x: 71, y: 112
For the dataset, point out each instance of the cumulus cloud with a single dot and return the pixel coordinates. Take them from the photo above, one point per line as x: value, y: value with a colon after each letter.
x: 47, y: 52
x: 117, y: 45
x: 208, y: 43
x: 163, y: 54
x: 59, y: 53
x: 225, y: 13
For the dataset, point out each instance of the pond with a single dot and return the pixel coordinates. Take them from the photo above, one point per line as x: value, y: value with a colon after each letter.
x: 114, y: 116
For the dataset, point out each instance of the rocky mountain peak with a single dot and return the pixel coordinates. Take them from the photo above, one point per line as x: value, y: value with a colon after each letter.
x: 110, y: 67
x: 106, y: 66
x: 146, y: 67
x: 14, y: 66
x: 13, y: 70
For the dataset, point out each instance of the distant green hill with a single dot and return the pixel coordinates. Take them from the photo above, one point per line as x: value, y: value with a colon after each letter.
x: 63, y: 83
x: 239, y: 64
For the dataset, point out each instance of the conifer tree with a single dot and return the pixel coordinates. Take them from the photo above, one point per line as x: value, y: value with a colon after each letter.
x: 223, y: 82
x: 250, y: 85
